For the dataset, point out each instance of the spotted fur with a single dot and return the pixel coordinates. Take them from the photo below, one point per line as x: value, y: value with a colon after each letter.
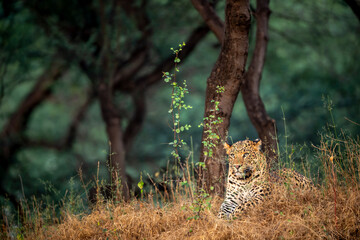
x: 249, y: 180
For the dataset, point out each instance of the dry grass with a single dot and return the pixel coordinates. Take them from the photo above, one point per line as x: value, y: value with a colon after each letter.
x: 329, y: 211
x: 287, y: 214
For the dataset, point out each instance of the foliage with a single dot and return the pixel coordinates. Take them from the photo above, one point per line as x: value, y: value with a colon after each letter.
x: 201, y: 202
x: 210, y: 123
x: 177, y: 104
x: 200, y: 198
x: 141, y: 186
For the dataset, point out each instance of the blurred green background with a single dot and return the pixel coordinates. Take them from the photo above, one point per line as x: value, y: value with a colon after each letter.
x: 311, y: 78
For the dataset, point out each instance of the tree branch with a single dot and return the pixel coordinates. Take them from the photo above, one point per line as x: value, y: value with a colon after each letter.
x: 210, y: 17
x: 139, y: 14
x: 17, y: 122
x: 69, y: 138
x: 145, y: 81
x: 253, y: 74
x: 128, y: 69
x: 265, y: 126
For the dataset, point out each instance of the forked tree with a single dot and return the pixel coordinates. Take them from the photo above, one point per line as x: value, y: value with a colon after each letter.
x: 229, y: 72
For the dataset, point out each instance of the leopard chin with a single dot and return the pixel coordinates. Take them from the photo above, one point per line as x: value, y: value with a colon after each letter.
x: 245, y: 174
x: 240, y: 175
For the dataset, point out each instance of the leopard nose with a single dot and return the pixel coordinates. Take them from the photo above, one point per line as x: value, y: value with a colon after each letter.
x: 237, y: 166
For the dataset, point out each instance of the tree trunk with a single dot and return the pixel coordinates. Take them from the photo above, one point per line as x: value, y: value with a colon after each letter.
x: 113, y: 121
x: 228, y: 72
x: 137, y: 120
x: 265, y: 126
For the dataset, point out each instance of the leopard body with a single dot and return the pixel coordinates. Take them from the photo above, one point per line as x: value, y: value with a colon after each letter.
x: 249, y: 181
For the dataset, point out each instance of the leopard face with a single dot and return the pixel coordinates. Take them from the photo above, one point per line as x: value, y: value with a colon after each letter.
x: 246, y: 185
x: 246, y: 161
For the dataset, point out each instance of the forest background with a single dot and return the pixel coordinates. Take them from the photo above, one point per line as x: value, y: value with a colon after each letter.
x: 310, y: 84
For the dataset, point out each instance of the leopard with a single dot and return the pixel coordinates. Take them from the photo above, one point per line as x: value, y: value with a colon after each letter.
x: 249, y: 181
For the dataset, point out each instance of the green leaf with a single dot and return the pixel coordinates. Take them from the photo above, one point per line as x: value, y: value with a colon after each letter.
x: 200, y: 164
x: 141, y: 183
x: 184, y: 183
x: 19, y: 236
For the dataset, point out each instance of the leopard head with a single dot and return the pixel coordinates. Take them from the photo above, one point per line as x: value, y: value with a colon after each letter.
x: 246, y: 160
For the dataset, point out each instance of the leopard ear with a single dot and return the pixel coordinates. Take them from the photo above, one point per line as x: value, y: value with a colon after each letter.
x: 227, y: 147
x: 258, y: 144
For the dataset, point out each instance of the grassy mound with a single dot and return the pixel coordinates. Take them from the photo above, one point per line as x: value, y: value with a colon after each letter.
x: 331, y: 210
x: 287, y: 214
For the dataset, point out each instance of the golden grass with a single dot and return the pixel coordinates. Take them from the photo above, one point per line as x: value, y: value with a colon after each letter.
x: 287, y: 214
x: 329, y: 211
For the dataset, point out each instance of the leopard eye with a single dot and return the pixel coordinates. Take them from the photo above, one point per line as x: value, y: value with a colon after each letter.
x: 245, y: 155
x: 232, y: 155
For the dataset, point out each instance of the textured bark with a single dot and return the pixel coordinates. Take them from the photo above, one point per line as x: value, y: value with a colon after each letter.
x: 265, y: 126
x: 210, y: 17
x: 228, y: 72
